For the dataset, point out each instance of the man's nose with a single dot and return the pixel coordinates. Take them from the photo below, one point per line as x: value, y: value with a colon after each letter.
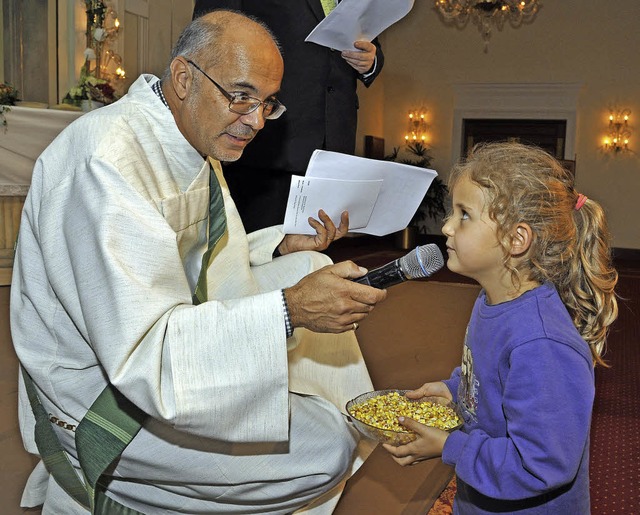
x: 254, y: 119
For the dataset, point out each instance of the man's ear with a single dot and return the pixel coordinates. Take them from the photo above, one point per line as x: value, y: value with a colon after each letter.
x: 521, y: 240
x: 181, y: 78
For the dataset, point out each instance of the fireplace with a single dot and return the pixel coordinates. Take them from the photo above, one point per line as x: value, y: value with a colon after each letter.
x: 540, y: 114
x: 549, y: 135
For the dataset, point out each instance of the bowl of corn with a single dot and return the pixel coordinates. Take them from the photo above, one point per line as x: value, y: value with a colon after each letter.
x: 375, y: 415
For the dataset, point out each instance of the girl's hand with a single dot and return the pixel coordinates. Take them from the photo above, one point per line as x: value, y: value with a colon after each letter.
x: 428, y: 444
x: 436, y: 389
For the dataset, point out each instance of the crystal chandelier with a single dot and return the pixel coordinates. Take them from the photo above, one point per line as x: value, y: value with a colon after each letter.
x: 486, y: 14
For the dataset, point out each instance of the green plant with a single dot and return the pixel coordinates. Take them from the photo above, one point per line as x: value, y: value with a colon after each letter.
x: 433, y: 203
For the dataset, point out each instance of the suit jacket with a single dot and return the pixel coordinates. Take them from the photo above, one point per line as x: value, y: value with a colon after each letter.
x: 318, y: 88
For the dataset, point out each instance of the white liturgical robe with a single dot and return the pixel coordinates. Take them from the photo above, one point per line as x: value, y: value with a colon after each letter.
x: 109, y: 251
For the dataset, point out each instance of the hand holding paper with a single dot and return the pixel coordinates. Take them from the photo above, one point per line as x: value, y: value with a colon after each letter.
x: 326, y: 232
x: 354, y: 20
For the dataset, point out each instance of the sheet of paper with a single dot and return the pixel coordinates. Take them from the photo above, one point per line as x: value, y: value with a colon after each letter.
x: 307, y: 195
x: 354, y: 20
x: 402, y: 190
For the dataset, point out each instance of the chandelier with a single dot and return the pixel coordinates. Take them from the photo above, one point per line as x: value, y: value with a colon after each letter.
x: 486, y: 14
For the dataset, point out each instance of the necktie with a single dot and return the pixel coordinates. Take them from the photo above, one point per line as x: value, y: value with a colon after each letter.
x: 328, y: 6
x: 217, y: 227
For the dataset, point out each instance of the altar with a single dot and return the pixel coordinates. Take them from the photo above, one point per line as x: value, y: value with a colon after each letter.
x: 28, y: 132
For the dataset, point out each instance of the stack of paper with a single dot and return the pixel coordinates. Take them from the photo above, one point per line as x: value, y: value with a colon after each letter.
x: 380, y: 196
x: 357, y: 20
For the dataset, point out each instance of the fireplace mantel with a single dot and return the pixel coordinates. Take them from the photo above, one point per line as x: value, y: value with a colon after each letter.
x: 540, y: 101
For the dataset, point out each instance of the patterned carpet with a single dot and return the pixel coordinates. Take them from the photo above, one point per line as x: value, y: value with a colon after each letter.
x: 444, y: 503
x: 615, y: 440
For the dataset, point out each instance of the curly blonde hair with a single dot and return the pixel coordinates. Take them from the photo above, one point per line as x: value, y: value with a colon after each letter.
x: 570, y: 247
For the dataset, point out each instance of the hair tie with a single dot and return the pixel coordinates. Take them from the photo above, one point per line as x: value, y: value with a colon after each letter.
x: 580, y: 202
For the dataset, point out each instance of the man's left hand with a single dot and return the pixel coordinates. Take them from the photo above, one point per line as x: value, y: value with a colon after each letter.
x: 362, y: 59
x: 326, y: 233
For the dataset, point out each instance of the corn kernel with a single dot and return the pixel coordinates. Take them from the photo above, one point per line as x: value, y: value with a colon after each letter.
x: 383, y: 411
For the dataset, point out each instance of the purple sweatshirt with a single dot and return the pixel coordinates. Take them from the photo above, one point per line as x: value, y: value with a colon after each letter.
x: 526, y: 389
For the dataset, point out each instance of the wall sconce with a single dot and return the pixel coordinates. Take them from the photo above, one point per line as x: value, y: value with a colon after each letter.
x: 416, y: 127
x: 619, y: 132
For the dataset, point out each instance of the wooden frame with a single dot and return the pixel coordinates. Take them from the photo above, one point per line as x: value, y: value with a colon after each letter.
x: 374, y: 147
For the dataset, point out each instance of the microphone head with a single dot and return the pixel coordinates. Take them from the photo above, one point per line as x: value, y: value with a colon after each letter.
x: 422, y: 261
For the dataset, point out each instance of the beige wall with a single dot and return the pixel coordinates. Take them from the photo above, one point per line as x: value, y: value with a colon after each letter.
x: 590, y: 42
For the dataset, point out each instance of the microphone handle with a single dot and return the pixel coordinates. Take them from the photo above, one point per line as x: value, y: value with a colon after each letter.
x: 384, y: 276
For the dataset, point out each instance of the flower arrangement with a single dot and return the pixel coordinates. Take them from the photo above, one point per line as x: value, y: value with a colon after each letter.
x: 102, y: 67
x: 90, y: 87
x: 8, y: 97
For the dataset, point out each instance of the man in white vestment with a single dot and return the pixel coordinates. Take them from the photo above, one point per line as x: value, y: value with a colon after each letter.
x: 243, y: 391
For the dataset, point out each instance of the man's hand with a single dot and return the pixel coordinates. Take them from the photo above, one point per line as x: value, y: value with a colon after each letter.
x: 326, y: 233
x: 326, y: 302
x: 362, y: 59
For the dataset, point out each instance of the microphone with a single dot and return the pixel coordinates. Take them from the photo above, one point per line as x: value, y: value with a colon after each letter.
x: 420, y: 262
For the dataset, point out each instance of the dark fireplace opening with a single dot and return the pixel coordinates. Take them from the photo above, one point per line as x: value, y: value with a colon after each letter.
x: 549, y: 135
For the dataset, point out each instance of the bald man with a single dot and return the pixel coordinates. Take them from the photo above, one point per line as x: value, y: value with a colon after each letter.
x: 134, y: 278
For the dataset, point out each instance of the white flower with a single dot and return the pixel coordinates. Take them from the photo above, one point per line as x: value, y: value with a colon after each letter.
x: 89, y: 53
x: 99, y: 34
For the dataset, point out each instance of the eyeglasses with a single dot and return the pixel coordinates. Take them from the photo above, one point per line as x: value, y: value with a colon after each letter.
x: 241, y: 103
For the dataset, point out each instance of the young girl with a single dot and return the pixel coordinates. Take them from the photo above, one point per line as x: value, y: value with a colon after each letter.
x: 540, y: 251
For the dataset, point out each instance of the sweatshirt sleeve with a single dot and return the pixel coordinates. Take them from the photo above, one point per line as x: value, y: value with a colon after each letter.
x: 453, y: 382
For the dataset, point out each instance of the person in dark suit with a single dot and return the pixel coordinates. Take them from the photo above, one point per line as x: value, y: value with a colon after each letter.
x: 319, y: 92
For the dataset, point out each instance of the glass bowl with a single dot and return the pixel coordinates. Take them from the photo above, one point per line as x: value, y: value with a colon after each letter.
x: 391, y: 436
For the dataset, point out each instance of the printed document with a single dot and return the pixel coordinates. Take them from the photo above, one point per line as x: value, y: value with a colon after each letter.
x: 356, y: 20
x: 380, y: 196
